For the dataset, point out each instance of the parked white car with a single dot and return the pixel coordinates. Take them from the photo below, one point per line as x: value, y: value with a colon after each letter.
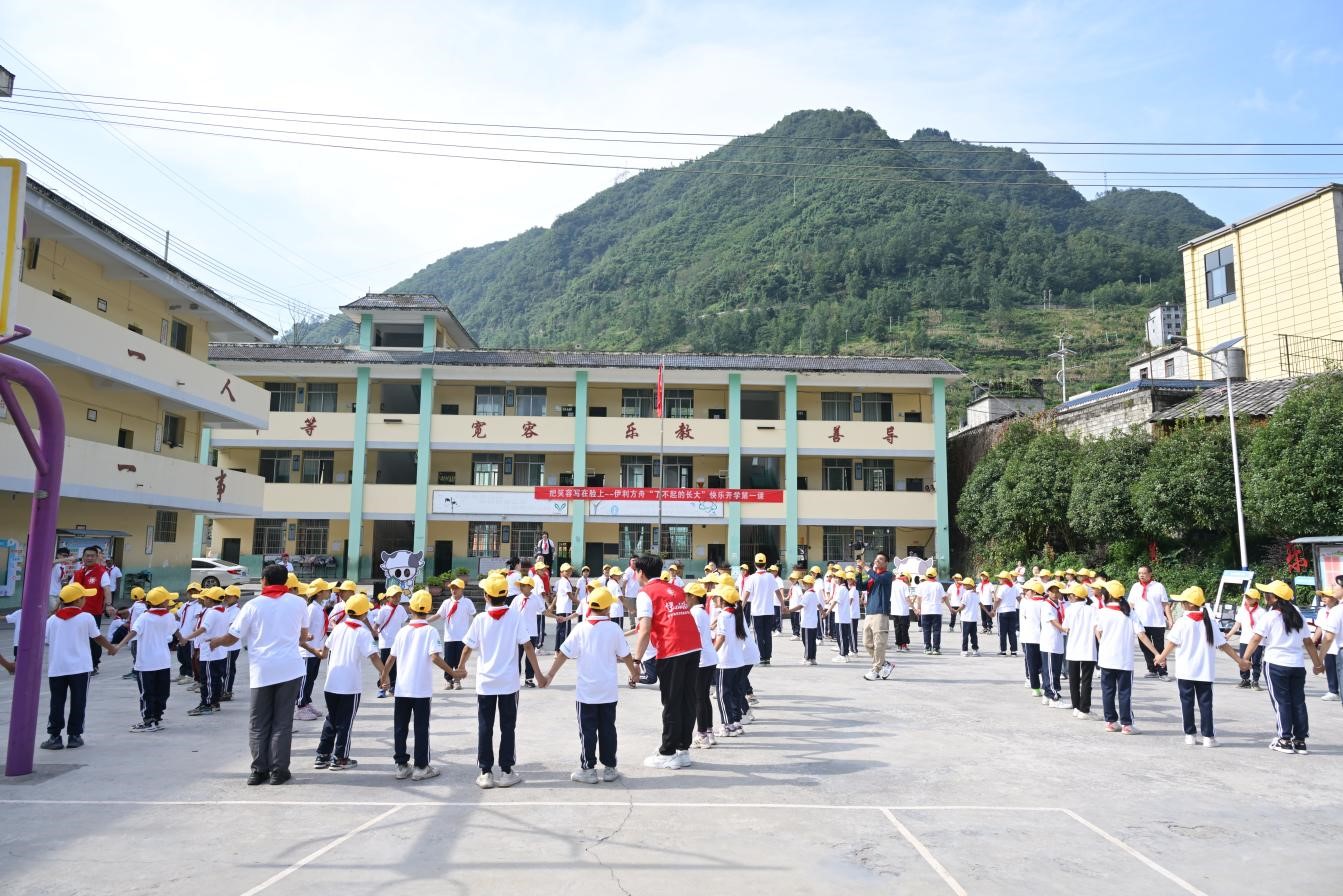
x: 216, y: 573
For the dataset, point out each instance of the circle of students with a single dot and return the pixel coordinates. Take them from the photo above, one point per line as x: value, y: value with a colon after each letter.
x: 697, y: 640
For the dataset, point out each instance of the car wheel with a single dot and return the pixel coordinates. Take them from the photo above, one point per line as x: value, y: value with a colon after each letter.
x: 209, y: 582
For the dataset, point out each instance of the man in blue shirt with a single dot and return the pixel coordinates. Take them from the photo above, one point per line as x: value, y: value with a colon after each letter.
x: 877, y: 623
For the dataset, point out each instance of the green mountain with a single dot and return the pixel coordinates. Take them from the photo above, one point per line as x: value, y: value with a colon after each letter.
x: 824, y: 234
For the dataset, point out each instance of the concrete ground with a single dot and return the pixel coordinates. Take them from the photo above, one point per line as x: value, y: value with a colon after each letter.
x: 949, y: 778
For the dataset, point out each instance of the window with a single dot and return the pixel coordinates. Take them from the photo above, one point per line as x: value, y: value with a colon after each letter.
x: 679, y: 402
x: 759, y: 405
x: 836, y: 543
x: 913, y: 416
x: 877, y: 407
x: 174, y: 431
x: 321, y: 398
x: 836, y: 406
x: 281, y: 396
x: 487, y: 469
x: 312, y: 537
x: 125, y: 438
x: 878, y: 475
x: 1219, y: 274
x: 525, y: 537
x: 913, y: 483
x: 635, y: 538
x: 760, y: 472
x: 636, y: 470
x: 529, y: 469
x: 1169, y: 367
x: 678, y: 471
x: 636, y: 402
x: 165, y: 526
x: 482, y: 539
x: 836, y: 475
x: 676, y: 541
x: 179, y: 336
x: 489, y: 401
x: 317, y: 467
x: 531, y: 401
x: 268, y: 537
x: 275, y: 465
x: 1144, y: 373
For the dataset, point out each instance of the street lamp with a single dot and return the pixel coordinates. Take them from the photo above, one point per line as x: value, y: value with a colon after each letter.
x: 1223, y: 348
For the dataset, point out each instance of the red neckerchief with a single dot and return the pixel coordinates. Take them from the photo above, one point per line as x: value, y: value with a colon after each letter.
x: 1058, y: 610
x: 729, y: 609
x: 1250, y: 610
x: 159, y: 612
x: 593, y: 620
x: 1196, y: 615
x: 417, y: 623
x: 68, y: 612
x: 274, y: 591
x: 354, y: 624
x: 1144, y: 590
x: 221, y: 608
x: 391, y: 614
x: 1113, y: 607
x: 497, y: 612
x: 456, y: 602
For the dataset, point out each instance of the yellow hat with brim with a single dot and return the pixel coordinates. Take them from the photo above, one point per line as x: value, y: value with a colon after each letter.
x: 159, y: 596
x: 745, y: 566
x: 957, y: 577
x: 1046, y: 572
x: 930, y: 573
x: 1078, y: 590
x: 666, y: 575
x: 614, y: 571
x: 1006, y: 575
x: 760, y: 558
x: 808, y: 580
x: 357, y: 605
x: 194, y: 586
x: 774, y: 569
x: 1053, y: 585
x: 725, y: 579
x: 348, y: 585
x: 540, y: 564
x: 494, y: 586
x: 233, y: 591
x: 795, y: 575
x: 421, y: 602
x: 1070, y: 572
x: 674, y: 566
x: 292, y: 581
x: 1279, y: 589
x: 1089, y: 573
x: 318, y: 585
x: 815, y: 570
x: 1115, y: 588
x: 1253, y: 594
x: 527, y: 581
x: 137, y: 593
x: 393, y: 591
x: 601, y: 598
x: 1036, y: 586
x: 457, y: 583
x: 1193, y: 595
x: 565, y: 567
x: 729, y: 595
x: 696, y: 589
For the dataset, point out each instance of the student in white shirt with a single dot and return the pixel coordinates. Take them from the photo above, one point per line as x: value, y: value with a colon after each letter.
x: 496, y: 635
x: 1325, y: 621
x: 970, y: 616
x: 563, y: 608
x: 629, y: 588
x: 417, y: 646
x: 842, y: 603
x: 531, y: 609
x: 955, y: 597
x: 1005, y: 610
x: 1151, y: 607
x: 901, y: 610
x: 150, y: 636
x: 232, y: 594
x: 1115, y: 630
x: 984, y: 593
x: 794, y: 598
x: 809, y: 609
x: 70, y: 665
x: 213, y: 659
x: 597, y: 645
x: 1051, y: 644
x: 317, y: 593
x: 1032, y: 597
x: 1079, y: 622
x: 387, y: 621
x: 1195, y: 642
x: 761, y: 596
x: 697, y: 596
x: 729, y: 642
x: 930, y: 595
x: 184, y: 625
x: 456, y: 612
x: 1286, y: 639
x: 348, y: 644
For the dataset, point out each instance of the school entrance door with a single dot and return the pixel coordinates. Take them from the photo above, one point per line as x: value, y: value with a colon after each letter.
x: 760, y: 540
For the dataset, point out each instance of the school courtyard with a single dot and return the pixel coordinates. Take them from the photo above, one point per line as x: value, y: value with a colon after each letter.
x: 947, y: 779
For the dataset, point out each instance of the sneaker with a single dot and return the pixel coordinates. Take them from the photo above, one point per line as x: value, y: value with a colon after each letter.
x: 681, y: 758
x: 1328, y: 697
x: 804, y: 662
x: 402, y: 771
x: 752, y: 699
x: 610, y: 774
x: 322, y: 762
x: 1209, y: 742
x: 1111, y: 727
x: 140, y: 728
x: 382, y: 693
x: 75, y: 741
x: 1151, y: 675
x: 870, y: 675
x: 1014, y: 653
x: 1244, y: 685
x: 657, y: 760
x: 154, y: 727
x: 699, y: 743
x: 508, y: 779
x: 1002, y: 653
x: 1282, y: 746
x: 886, y: 671
x: 1190, y: 740
x: 226, y: 697
x: 965, y: 653
x: 1077, y: 713
x: 839, y: 659
x: 128, y: 675
x: 1298, y: 745
x: 927, y: 651
x: 713, y: 741
x: 794, y: 638
x: 1056, y: 704
x: 937, y: 651
x: 974, y: 653
x: 1257, y: 686
x: 811, y: 662
x: 485, y: 781
x: 1038, y: 692
x: 421, y: 774
x: 1128, y: 729
x: 531, y: 683
x: 749, y: 717
x: 183, y: 679
x: 1044, y: 700
x: 732, y: 730
x: 195, y: 688
x: 202, y: 711
x: 53, y: 743
x: 1163, y: 677
x: 585, y: 776
x: 342, y: 765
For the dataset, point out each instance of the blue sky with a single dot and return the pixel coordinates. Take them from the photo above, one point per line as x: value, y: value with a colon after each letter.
x: 322, y: 226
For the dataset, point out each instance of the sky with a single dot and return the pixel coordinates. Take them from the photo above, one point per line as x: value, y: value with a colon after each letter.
x: 305, y: 229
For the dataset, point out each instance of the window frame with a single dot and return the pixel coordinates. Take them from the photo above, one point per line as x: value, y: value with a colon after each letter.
x: 483, y: 532
x: 321, y: 458
x: 1222, y: 261
x: 283, y: 397
x: 262, y: 528
x: 165, y: 526
x: 526, y: 462
x: 836, y: 465
x: 179, y: 331
x: 679, y: 404
x: 630, y: 547
x: 481, y: 459
x: 488, y: 392
x: 837, y: 406
x: 324, y: 391
x: 281, y: 460
x: 641, y: 400
x: 304, y: 532
x: 684, y: 464
x: 682, y: 545
x: 632, y: 462
x: 174, y: 425
x: 524, y: 399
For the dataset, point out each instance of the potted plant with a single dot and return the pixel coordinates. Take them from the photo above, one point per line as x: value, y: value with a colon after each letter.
x: 435, y: 584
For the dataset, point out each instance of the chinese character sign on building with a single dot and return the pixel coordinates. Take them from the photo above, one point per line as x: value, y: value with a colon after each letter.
x: 731, y: 495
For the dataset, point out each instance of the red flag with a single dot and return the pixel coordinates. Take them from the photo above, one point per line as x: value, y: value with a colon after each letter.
x: 659, y: 398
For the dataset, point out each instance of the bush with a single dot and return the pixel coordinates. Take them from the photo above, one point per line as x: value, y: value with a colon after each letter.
x: 1186, y: 491
x: 1293, y: 485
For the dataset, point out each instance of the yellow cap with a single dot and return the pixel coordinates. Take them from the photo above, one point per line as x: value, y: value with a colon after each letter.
x: 674, y: 566
x: 137, y: 593
x: 930, y: 573
x: 1078, y: 590
x: 795, y: 575
x: 318, y: 585
x: 729, y: 595
x: 1253, y: 594
x: 696, y: 589
x: 957, y: 577
x: 348, y: 585
x: 1279, y: 589
x: 1089, y: 573
x: 808, y: 580
x: 1070, y: 571
x: 217, y: 593
x: 292, y: 581
x: 526, y: 581
x: 614, y: 571
x: 666, y: 575
x: 565, y: 567
x: 393, y: 591
x: 1036, y: 586
x: 194, y: 586
x: 1006, y: 575
x: 457, y: 583
x: 815, y: 570
x: 745, y: 566
x: 725, y: 579
x: 1053, y: 585
x: 357, y: 605
x: 774, y: 569
x: 850, y: 573
x: 1193, y: 595
x: 494, y: 586
x: 1045, y: 572
x: 600, y: 598
x: 984, y: 574
x: 159, y: 596
x: 1115, y: 588
x: 760, y: 558
x: 421, y: 602
x: 233, y: 591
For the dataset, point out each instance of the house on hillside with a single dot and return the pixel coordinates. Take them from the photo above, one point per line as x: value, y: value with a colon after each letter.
x: 1253, y: 401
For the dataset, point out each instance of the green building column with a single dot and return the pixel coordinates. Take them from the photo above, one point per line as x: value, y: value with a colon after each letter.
x: 198, y: 527
x: 354, y: 542
x: 734, y: 466
x: 941, y: 483
x: 790, y: 538
x: 578, y: 509
x: 365, y: 332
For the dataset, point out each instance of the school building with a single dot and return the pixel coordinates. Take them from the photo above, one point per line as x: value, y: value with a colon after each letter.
x: 123, y: 336
x: 416, y: 438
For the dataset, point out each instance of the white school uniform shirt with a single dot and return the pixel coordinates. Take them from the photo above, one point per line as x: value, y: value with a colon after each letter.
x: 1051, y: 639
x: 114, y: 577
x: 68, y: 644
x: 495, y: 643
x: 137, y: 610
x: 1029, y: 619
x: 456, y: 622
x: 564, y: 596
x: 1080, y: 621
x: 707, y: 655
x: 900, y: 598
x: 931, y: 595
x: 843, y: 600
x: 732, y: 655
x: 15, y: 619
x: 1334, y: 626
x: 117, y: 625
x: 969, y: 605
x: 316, y: 629
x: 57, y: 579
x: 629, y: 583
x: 415, y: 642
x: 761, y: 588
x: 1151, y: 608
x: 1248, y: 620
x: 351, y: 644
x: 390, y: 621
x: 231, y: 614
x: 215, y: 622
x: 1008, y: 598
x: 1194, y: 656
x: 1117, y: 633
x: 597, y: 645
x: 795, y: 597
x: 1281, y: 647
x: 513, y: 587
x: 855, y: 607
x: 752, y: 648
x: 811, y: 604
x: 270, y: 627
x: 153, y: 630
x: 530, y: 609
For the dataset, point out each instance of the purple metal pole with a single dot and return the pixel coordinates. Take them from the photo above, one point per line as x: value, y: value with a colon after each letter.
x: 47, y: 449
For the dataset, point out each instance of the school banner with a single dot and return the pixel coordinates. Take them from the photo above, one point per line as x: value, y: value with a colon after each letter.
x: 692, y: 495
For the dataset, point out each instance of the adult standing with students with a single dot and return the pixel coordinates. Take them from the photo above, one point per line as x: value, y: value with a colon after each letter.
x: 762, y: 597
x: 877, y: 622
x: 545, y: 549
x: 93, y: 578
x: 1005, y: 609
x: 665, y: 621
x: 1151, y: 607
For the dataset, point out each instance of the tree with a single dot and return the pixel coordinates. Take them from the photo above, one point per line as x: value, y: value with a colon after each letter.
x: 1100, y: 508
x: 1186, y: 491
x: 1294, y: 466
x: 1033, y: 491
x: 978, y: 512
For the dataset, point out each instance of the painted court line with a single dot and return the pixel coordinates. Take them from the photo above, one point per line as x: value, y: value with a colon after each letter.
x: 524, y: 804
x: 318, y: 853
x: 922, y: 850
x: 1115, y: 841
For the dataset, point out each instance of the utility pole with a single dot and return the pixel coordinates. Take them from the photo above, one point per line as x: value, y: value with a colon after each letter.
x: 1062, y: 354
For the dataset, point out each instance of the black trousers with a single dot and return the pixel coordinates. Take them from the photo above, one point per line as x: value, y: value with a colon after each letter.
x: 703, y: 705
x: 154, y: 686
x: 272, y: 725
x: 339, y: 725
x: 232, y: 670
x: 847, y: 644
x: 506, y: 705
x: 184, y: 659
x: 1256, y: 662
x: 932, y: 630
x: 986, y: 619
x: 809, y: 644
x: 596, y: 734
x: 1157, y: 634
x: 969, y: 636
x: 314, y: 664
x: 732, y: 694
x: 562, y: 629
x: 778, y: 619
x: 1007, y: 630
x: 901, y: 630
x: 385, y: 652
x: 452, y: 655
x: 213, y: 673
x: 1191, y: 691
x: 77, y: 687
x: 676, y: 680
x: 96, y: 650
x: 402, y: 711
x: 1079, y: 683
x: 764, y: 636
x: 1051, y: 666
x: 795, y: 622
x: 525, y: 661
x: 1034, y: 666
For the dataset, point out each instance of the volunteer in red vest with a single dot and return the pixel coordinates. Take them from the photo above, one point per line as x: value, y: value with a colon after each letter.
x: 92, y: 576
x: 664, y: 618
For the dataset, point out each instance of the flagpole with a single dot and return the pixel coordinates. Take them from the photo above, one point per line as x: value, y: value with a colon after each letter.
x: 662, y: 447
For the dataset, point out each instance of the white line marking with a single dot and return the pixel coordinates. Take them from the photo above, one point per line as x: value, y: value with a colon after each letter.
x: 1169, y: 875
x: 486, y: 802
x: 317, y: 854
x: 923, y: 851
